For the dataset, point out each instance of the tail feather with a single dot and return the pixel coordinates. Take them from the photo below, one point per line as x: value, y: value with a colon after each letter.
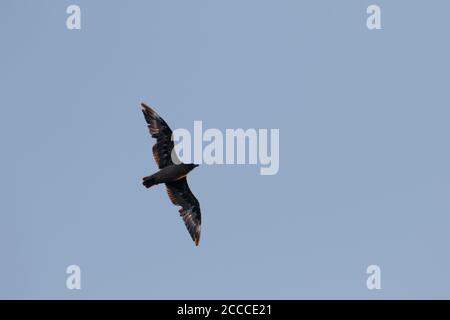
x: 148, y: 181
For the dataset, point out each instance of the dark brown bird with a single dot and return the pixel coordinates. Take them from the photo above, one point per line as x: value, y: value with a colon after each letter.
x: 172, y: 174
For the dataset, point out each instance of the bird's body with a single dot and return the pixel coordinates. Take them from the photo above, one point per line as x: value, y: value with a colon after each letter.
x: 173, y: 175
x: 169, y: 174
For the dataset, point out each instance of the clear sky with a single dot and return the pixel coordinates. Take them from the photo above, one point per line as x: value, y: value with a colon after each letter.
x: 364, y: 148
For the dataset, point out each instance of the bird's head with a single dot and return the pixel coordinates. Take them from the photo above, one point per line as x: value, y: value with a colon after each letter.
x: 191, y: 166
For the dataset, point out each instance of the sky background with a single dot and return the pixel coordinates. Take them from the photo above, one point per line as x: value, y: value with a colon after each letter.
x: 364, y: 149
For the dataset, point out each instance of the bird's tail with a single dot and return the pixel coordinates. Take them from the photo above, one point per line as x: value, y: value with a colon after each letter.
x: 148, y: 181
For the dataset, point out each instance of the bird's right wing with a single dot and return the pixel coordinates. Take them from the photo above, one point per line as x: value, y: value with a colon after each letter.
x: 181, y: 195
x: 159, y: 129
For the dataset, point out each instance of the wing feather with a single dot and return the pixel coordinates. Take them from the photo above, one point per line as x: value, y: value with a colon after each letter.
x: 159, y: 129
x: 180, y: 195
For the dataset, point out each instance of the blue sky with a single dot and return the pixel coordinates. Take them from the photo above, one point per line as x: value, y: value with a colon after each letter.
x: 363, y: 119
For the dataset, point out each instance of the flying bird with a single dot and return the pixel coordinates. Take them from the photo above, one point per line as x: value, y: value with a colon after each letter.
x: 173, y: 175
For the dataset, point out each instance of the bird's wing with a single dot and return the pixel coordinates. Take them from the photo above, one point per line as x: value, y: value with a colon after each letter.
x: 159, y: 129
x: 181, y: 195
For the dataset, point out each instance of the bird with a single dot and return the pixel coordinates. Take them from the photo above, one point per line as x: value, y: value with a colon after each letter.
x: 172, y: 172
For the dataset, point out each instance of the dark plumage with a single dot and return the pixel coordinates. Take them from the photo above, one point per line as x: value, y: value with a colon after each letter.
x: 173, y: 175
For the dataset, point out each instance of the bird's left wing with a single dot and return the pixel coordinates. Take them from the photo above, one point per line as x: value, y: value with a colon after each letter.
x: 181, y: 195
x: 158, y: 128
